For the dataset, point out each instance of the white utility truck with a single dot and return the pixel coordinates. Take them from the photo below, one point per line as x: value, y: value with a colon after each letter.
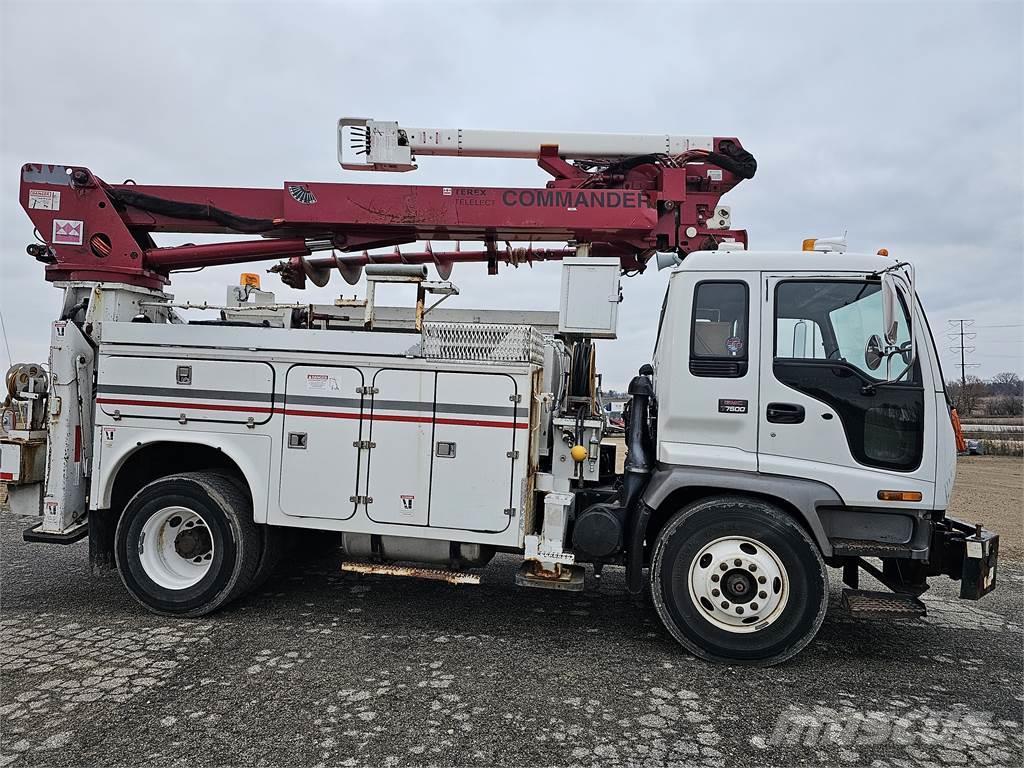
x: 792, y: 416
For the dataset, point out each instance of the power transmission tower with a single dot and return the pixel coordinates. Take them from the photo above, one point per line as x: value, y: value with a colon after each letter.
x: 957, y: 333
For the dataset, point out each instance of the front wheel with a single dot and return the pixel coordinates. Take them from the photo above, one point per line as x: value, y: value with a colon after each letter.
x: 736, y: 580
x: 186, y: 544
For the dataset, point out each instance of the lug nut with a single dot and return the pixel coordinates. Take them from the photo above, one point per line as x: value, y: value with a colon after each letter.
x: 737, y: 562
x: 753, y: 606
x: 715, y: 593
x: 752, y: 567
x: 714, y: 577
x: 763, y: 595
x: 761, y: 579
x: 725, y: 604
x: 723, y: 566
x: 739, y: 609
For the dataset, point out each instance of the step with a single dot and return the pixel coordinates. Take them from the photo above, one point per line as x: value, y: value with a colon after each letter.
x: 891, y: 605
x: 434, y: 574
x: 570, y: 579
x: 861, y: 548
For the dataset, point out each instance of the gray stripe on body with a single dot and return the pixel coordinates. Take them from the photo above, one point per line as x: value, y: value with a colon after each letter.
x: 337, y: 402
x: 415, y: 406
x: 184, y: 391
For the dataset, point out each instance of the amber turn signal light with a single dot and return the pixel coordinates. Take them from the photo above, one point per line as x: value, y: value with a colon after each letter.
x: 900, y: 496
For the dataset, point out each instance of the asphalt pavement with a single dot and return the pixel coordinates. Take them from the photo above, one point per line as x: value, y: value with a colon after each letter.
x: 335, y: 669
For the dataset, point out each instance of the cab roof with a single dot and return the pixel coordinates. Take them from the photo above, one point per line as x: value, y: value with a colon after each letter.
x: 783, y: 261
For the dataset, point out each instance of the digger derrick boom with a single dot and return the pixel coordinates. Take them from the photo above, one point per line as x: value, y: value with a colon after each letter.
x: 628, y: 208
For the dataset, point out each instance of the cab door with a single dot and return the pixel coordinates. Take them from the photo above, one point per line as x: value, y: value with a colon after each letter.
x: 825, y: 412
x: 707, y: 373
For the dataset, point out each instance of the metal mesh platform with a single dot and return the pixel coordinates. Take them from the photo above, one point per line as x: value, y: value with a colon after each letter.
x: 483, y: 342
x: 882, y: 604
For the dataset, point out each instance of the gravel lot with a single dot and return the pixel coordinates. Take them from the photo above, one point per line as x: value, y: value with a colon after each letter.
x: 335, y: 669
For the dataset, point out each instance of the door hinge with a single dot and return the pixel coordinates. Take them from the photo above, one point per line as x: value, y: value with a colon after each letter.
x: 361, y: 499
x: 515, y: 398
x: 512, y: 454
x: 510, y: 512
x: 367, y: 390
x: 363, y: 444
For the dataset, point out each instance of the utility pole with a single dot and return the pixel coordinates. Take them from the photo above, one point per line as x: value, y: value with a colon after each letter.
x: 959, y: 336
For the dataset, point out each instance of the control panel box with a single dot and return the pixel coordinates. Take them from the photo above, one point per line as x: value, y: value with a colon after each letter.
x: 590, y: 297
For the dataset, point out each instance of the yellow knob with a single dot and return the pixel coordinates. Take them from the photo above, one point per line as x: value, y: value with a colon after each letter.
x: 578, y: 453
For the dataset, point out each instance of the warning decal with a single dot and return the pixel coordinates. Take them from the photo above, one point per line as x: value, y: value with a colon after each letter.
x: 44, y: 199
x: 67, y: 232
x: 321, y: 381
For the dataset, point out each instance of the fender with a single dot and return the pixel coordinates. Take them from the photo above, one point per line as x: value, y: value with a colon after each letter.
x: 806, y: 496
x: 251, y: 453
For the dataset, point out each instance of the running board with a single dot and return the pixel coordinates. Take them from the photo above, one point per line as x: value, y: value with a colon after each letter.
x: 434, y: 574
x: 882, y: 605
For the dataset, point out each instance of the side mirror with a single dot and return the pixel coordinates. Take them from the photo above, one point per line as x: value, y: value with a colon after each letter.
x: 873, y: 353
x: 890, y: 309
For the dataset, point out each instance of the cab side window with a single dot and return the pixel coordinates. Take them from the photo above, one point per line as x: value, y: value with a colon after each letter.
x: 719, y: 329
x: 818, y: 320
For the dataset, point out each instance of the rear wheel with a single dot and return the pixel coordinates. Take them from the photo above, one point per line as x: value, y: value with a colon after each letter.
x: 186, y: 544
x: 737, y: 580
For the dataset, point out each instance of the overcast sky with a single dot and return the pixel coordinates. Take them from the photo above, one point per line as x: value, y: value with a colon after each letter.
x: 900, y: 123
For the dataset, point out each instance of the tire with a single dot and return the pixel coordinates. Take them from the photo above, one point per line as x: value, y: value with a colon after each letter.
x: 272, y: 538
x: 212, y: 557
x: 760, y: 613
x: 272, y: 551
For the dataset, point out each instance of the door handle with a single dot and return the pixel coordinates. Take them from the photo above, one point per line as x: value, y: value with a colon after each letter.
x: 785, y: 413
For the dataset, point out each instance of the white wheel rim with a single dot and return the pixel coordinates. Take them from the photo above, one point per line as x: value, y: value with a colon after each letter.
x: 738, y: 584
x: 175, y: 548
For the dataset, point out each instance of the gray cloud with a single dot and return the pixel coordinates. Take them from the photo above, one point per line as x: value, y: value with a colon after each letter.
x: 901, y: 123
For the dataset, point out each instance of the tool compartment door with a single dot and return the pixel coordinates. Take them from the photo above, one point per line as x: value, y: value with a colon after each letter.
x: 319, y: 456
x: 401, y: 425
x: 224, y: 391
x: 477, y: 425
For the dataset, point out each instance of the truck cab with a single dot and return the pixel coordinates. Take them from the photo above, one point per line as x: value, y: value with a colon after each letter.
x: 771, y: 370
x: 801, y: 422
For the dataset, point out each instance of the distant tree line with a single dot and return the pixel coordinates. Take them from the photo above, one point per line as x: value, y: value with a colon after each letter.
x: 1002, y: 395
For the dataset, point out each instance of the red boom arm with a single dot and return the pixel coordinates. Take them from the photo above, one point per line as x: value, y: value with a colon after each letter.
x: 95, y: 231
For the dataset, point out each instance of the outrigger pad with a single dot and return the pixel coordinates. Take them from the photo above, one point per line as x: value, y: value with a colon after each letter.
x: 571, y: 578
x: 69, y: 536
